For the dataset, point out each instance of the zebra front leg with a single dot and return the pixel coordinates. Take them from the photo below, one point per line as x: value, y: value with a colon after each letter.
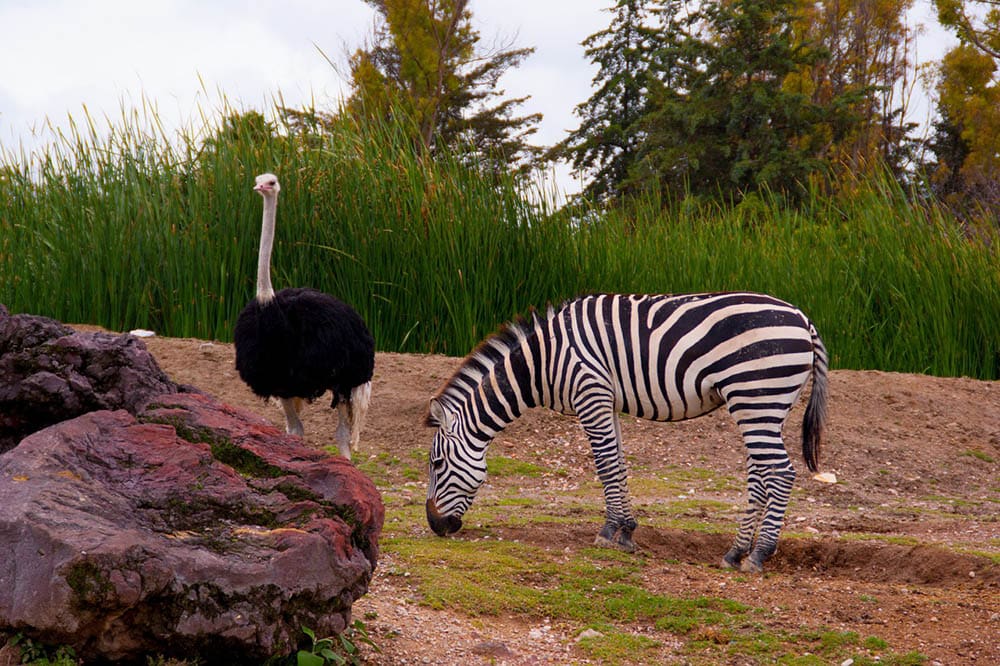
x: 610, y: 461
x: 777, y: 483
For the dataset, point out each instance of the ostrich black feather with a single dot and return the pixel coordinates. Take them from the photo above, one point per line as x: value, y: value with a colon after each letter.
x: 302, y: 343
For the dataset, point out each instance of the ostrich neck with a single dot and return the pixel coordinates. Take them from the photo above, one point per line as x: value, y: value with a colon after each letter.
x: 265, y: 292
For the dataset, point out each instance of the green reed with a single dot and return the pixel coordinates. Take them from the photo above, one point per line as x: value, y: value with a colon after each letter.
x: 131, y: 226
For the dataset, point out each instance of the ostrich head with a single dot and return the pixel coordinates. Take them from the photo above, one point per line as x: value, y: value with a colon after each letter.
x: 267, y: 185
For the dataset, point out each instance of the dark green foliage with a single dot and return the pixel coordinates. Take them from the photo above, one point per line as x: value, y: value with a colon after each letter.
x: 723, y: 99
x: 693, y: 101
x: 341, y: 649
x: 244, y: 461
x: 34, y: 652
x: 606, y: 144
x: 425, y: 64
x: 90, y: 584
x: 721, y: 121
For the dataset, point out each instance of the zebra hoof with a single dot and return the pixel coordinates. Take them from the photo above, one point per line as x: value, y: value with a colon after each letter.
x: 603, y: 542
x: 750, y: 565
x: 618, y: 543
x: 732, y: 559
x: 626, y: 544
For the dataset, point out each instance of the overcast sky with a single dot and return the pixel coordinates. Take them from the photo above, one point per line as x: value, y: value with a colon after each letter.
x: 62, y: 55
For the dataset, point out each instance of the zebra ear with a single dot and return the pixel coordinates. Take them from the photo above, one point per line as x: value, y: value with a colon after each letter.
x: 438, y: 415
x: 435, y: 414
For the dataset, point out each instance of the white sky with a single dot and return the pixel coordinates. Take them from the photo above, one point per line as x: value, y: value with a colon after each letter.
x: 62, y: 55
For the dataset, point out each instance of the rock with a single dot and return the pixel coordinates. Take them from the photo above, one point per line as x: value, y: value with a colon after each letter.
x: 539, y: 633
x: 142, y: 517
x: 191, y: 529
x: 494, y: 649
x: 50, y: 373
x: 588, y: 633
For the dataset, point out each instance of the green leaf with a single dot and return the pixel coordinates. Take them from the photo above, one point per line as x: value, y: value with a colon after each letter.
x: 305, y: 658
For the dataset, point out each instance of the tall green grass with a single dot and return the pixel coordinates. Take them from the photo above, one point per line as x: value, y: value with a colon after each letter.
x: 890, y: 285
x: 129, y: 226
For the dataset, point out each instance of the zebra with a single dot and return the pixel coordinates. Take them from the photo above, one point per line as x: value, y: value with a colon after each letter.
x: 657, y: 357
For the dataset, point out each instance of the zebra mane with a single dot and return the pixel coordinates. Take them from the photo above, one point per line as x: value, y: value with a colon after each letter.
x: 491, y: 350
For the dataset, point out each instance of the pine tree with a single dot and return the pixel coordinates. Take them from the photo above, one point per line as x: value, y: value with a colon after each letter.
x: 424, y: 63
x: 608, y: 140
x: 729, y: 125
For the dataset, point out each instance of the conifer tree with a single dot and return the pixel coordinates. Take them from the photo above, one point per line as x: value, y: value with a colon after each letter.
x: 606, y: 144
x: 425, y: 63
x: 723, y: 123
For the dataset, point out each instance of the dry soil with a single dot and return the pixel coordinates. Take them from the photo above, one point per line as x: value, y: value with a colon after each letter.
x: 904, y: 547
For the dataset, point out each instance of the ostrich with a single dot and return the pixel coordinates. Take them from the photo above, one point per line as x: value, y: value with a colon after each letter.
x: 297, y: 343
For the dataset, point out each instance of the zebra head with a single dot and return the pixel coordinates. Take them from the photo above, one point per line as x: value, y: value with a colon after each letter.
x: 457, y: 469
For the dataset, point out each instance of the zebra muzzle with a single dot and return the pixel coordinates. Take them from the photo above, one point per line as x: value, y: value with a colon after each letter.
x: 442, y: 525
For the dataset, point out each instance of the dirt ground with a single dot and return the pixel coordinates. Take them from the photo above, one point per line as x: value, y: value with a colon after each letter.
x: 904, y: 547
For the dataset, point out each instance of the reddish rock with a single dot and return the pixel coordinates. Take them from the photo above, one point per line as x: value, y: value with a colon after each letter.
x: 157, y: 521
x: 50, y: 373
x: 194, y: 529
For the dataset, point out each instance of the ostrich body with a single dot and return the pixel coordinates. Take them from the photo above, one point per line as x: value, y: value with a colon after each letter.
x: 298, y: 343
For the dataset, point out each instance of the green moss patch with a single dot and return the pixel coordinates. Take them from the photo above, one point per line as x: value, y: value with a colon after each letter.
x: 90, y: 584
x: 244, y: 461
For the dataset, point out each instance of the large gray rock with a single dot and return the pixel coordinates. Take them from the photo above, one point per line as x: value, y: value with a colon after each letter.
x: 50, y: 373
x: 193, y: 530
x: 169, y: 524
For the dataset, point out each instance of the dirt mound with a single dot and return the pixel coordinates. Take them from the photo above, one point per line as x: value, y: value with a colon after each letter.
x: 853, y: 560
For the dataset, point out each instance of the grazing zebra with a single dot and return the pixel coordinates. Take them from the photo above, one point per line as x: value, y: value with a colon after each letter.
x: 663, y: 358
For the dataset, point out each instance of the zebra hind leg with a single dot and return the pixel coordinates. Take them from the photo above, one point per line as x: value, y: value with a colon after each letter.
x: 777, y: 482
x: 756, y: 500
x: 760, y: 417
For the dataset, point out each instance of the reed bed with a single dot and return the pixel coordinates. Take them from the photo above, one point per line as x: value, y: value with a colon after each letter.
x: 130, y: 227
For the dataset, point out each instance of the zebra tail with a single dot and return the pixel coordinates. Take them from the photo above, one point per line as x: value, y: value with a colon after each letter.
x: 815, y: 416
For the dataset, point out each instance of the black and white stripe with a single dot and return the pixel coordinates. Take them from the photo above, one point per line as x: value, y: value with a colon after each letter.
x: 664, y: 358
